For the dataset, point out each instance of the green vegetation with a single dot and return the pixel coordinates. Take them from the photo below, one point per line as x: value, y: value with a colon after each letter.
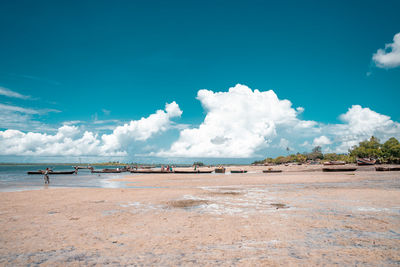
x: 388, y: 152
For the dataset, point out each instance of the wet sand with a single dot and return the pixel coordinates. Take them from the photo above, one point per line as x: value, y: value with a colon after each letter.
x: 298, y: 217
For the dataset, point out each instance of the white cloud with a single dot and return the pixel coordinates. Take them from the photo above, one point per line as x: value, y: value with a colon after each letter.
x: 321, y: 141
x: 64, y: 143
x: 20, y: 118
x: 360, y: 124
x: 9, y: 93
x: 390, y: 56
x: 4, y: 107
x: 70, y: 141
x: 142, y: 129
x: 238, y: 123
x: 300, y: 110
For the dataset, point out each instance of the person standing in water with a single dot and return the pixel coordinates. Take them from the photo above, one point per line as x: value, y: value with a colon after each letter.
x: 46, y: 176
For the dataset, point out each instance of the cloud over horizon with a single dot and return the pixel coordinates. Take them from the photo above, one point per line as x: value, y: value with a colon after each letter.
x: 239, y: 123
x: 70, y: 141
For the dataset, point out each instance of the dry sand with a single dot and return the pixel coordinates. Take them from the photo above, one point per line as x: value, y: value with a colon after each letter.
x: 298, y: 217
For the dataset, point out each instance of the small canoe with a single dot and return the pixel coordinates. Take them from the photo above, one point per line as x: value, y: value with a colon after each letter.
x: 365, y: 161
x: 238, y: 171
x: 334, y: 162
x: 182, y: 171
x: 106, y: 171
x: 83, y: 167
x: 148, y: 171
x: 383, y: 169
x: 271, y: 171
x: 51, y: 173
x: 344, y: 169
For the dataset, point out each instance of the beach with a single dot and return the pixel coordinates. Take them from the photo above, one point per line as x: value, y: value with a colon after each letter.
x: 301, y: 216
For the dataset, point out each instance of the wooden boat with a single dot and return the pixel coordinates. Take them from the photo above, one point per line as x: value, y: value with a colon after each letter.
x: 83, y: 167
x: 51, y: 172
x: 197, y: 171
x: 148, y: 171
x: 107, y: 171
x: 335, y: 162
x: 220, y: 170
x: 341, y: 169
x: 271, y: 171
x: 382, y: 169
x: 238, y: 171
x: 366, y: 161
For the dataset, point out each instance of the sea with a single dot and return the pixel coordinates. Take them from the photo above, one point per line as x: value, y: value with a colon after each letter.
x: 15, y: 178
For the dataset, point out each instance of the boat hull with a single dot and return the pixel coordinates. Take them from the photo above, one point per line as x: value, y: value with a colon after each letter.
x: 52, y: 173
x: 383, y: 169
x: 350, y: 169
x: 183, y: 172
x: 361, y: 162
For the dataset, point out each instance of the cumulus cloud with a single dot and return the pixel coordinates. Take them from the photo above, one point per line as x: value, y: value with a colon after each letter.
x: 64, y: 143
x: 70, y: 141
x: 359, y: 124
x: 142, y: 129
x: 390, y: 56
x: 9, y: 93
x: 321, y: 141
x: 238, y: 123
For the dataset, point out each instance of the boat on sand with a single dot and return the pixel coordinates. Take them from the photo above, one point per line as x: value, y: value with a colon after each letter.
x: 341, y: 169
x: 189, y: 171
x: 107, y: 171
x: 383, y: 169
x: 238, y: 171
x: 365, y: 161
x: 220, y: 170
x: 148, y: 171
x: 334, y: 162
x: 271, y: 171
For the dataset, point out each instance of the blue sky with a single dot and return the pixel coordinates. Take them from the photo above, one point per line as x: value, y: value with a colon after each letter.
x: 106, y: 63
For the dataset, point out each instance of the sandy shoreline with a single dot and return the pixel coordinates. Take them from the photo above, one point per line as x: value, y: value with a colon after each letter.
x: 291, y: 218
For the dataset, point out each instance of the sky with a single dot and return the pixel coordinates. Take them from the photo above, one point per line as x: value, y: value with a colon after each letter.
x: 181, y: 81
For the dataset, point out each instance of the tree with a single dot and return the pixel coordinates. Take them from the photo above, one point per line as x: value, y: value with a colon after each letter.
x: 367, y: 149
x: 315, y: 154
x: 391, y: 149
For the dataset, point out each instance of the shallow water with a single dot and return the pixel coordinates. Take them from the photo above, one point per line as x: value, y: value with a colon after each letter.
x: 15, y: 178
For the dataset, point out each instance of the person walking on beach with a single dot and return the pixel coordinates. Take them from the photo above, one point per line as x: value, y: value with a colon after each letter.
x: 46, y: 176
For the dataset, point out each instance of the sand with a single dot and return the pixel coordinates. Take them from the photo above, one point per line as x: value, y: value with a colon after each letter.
x: 301, y: 216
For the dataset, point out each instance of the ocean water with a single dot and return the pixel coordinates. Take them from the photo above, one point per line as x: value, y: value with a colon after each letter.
x: 15, y: 178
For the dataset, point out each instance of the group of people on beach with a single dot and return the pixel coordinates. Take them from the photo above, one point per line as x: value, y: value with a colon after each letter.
x: 166, y: 169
